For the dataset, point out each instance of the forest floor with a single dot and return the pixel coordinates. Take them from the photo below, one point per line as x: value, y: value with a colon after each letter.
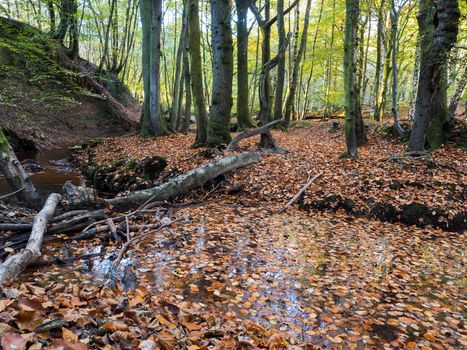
x: 234, y: 273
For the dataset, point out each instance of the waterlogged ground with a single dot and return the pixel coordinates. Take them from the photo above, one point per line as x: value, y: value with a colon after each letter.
x: 231, y: 272
x: 320, y: 280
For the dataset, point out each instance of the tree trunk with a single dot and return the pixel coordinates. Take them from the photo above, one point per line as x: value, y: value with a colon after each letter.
x: 12, y: 266
x: 243, y: 112
x: 15, y: 175
x: 379, y: 53
x: 413, y: 92
x: 51, y: 9
x: 152, y: 120
x: 278, y: 99
x: 457, y: 95
x: 222, y: 67
x: 298, y: 57
x: 312, y: 59
x: 267, y: 142
x: 174, y: 111
x: 438, y: 26
x: 352, y: 110
x: 187, y: 117
x: 395, y: 20
x: 197, y: 86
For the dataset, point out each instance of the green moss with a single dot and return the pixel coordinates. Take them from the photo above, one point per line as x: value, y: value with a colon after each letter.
x: 218, y: 133
x: 3, y: 145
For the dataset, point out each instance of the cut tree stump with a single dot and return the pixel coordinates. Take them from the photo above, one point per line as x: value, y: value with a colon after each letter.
x: 14, y: 264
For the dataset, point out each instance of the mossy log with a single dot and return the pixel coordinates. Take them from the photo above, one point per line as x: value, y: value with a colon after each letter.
x: 170, y: 190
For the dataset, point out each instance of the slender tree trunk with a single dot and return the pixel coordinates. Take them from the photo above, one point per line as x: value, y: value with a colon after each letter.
x: 174, y: 111
x: 243, y: 111
x: 15, y: 175
x: 73, y: 50
x: 187, y: 117
x: 278, y: 99
x: 395, y: 20
x: 312, y: 59
x: 152, y: 121
x: 413, y: 92
x: 327, y: 82
x: 197, y: 86
x: 438, y: 26
x: 378, y: 69
x: 222, y: 70
x: 352, y: 110
x: 457, y: 95
x: 51, y: 9
x: 296, y: 67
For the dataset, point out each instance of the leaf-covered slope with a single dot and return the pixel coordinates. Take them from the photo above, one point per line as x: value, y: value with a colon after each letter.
x: 41, y: 102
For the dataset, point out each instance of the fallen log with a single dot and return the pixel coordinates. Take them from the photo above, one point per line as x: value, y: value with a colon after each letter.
x: 186, y: 182
x: 299, y: 193
x: 249, y: 133
x: 168, y: 191
x: 12, y: 266
x: 15, y: 227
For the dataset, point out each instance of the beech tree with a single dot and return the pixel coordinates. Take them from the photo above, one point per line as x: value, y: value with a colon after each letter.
x: 222, y: 68
x: 243, y: 111
x: 353, y: 113
x: 438, y: 22
x: 152, y: 121
x: 201, y: 113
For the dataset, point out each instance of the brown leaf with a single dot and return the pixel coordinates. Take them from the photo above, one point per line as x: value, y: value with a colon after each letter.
x: 62, y: 344
x: 68, y: 335
x: 13, y: 341
x: 166, y: 340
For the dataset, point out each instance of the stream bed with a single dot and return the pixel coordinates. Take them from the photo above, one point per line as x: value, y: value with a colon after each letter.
x: 49, y: 170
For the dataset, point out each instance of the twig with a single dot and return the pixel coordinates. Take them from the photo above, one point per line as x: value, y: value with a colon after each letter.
x: 12, y: 193
x: 299, y: 193
x: 134, y: 239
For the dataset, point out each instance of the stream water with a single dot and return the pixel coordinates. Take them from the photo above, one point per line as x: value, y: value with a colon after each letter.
x: 49, y: 170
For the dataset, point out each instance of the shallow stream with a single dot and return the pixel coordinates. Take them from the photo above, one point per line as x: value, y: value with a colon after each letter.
x: 49, y: 170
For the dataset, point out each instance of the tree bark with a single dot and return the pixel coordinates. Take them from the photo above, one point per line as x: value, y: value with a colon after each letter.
x: 18, y: 262
x: 395, y: 19
x: 298, y: 57
x: 278, y: 98
x: 352, y: 110
x: 243, y: 112
x: 266, y: 140
x: 152, y: 120
x: 186, y: 182
x: 438, y: 22
x: 197, y: 89
x: 15, y: 175
x: 222, y: 70
x: 379, y: 48
x: 174, y: 111
x: 457, y: 95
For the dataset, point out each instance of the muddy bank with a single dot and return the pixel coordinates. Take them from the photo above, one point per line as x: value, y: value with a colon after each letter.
x: 420, y: 215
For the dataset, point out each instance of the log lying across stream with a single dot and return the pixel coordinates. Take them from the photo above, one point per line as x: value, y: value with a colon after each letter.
x: 178, y: 186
